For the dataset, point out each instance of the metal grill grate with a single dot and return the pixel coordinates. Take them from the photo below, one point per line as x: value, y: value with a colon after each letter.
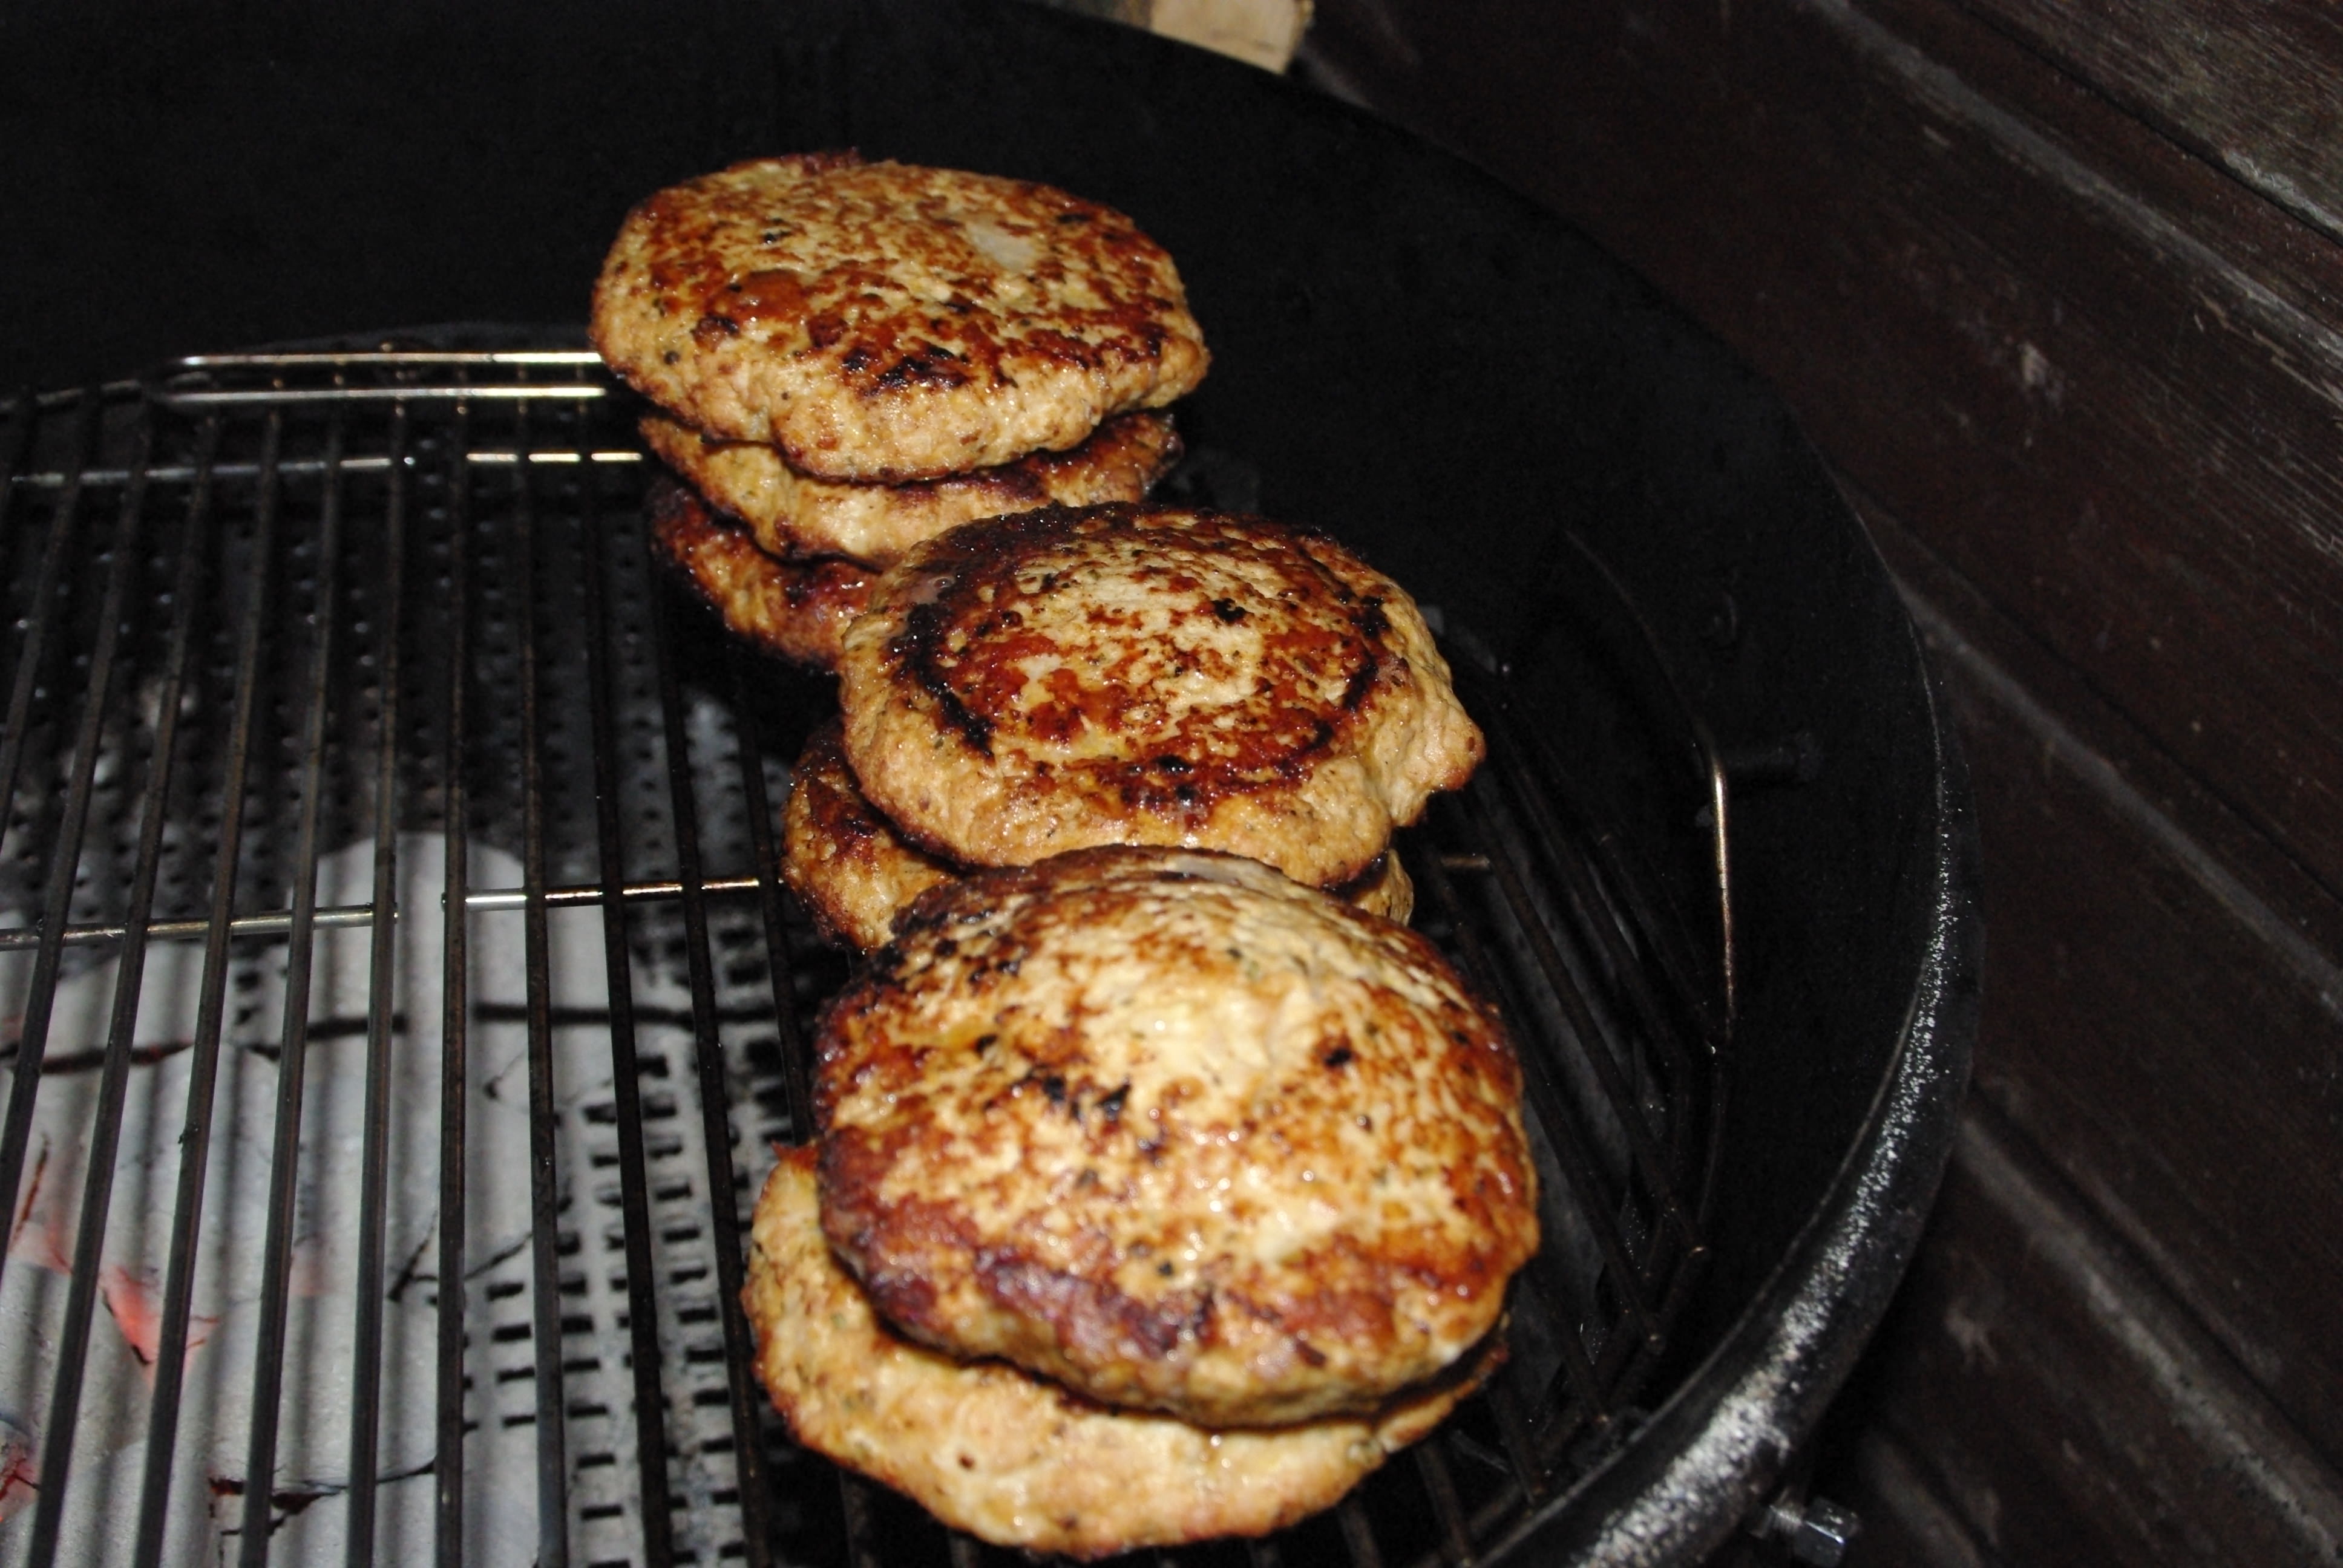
x: 352, y: 1217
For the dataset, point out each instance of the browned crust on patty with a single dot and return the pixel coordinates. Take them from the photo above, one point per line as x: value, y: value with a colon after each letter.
x: 890, y: 322
x: 1016, y: 1460
x: 1382, y: 889
x: 1175, y: 1131
x: 798, y: 610
x: 793, y: 513
x: 845, y: 863
x: 1141, y: 674
x: 855, y: 873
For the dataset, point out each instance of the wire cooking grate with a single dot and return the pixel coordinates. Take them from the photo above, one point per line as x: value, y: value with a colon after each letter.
x: 298, y: 642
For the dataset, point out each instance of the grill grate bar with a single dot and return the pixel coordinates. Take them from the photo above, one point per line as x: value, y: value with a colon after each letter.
x: 15, y: 446
x: 1502, y: 1507
x: 1504, y: 1402
x: 343, y: 397
x: 194, y: 1138
x: 854, y: 1500
x: 670, y: 891
x: 268, y: 1364
x: 97, y: 1190
x: 723, y: 1200
x: 779, y: 964
x: 1486, y: 974
x: 366, y: 1416
x: 1447, y: 1507
x: 1556, y: 1110
x: 461, y: 360
x: 455, y: 970
x: 195, y: 385
x: 31, y: 653
x: 1358, y: 1533
x: 780, y: 968
x: 1619, y: 962
x: 642, y: 1307
x: 1573, y: 1144
x: 552, y: 1457
x: 102, y: 478
x: 277, y: 922
x: 32, y: 1042
x: 1628, y: 1111
x: 1626, y: 960
x: 1617, y: 605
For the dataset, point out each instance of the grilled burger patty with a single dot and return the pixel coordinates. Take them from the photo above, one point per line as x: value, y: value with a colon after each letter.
x: 1008, y: 1457
x: 798, y: 610
x: 794, y: 514
x: 1139, y: 674
x: 854, y: 872
x: 889, y: 322
x: 845, y: 863
x: 1176, y: 1132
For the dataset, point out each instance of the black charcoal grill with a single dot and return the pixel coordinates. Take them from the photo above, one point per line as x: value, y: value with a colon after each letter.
x: 311, y: 651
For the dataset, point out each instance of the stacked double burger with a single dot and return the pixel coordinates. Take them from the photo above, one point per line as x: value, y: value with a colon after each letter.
x: 1163, y: 1185
x: 849, y: 357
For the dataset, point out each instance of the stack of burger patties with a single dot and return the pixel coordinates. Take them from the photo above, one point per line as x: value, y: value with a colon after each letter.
x: 1161, y: 1186
x: 1157, y: 1197
x: 1123, y: 674
x: 848, y: 357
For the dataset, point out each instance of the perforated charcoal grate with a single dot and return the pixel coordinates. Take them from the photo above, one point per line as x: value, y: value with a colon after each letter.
x: 353, y: 1219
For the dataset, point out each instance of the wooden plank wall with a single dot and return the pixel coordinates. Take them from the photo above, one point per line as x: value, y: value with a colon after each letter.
x: 2059, y: 291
